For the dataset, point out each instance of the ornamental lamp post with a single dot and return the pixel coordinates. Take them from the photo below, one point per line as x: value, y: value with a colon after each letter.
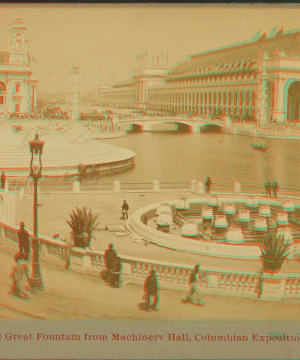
x: 36, y: 150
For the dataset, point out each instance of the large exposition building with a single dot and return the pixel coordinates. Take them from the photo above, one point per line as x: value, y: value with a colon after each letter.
x: 257, y: 79
x: 18, y: 85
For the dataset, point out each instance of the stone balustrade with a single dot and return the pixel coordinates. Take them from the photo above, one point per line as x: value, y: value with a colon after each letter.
x: 214, y: 280
x: 135, y: 270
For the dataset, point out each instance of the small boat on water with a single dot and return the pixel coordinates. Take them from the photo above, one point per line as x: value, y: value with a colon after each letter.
x: 259, y: 147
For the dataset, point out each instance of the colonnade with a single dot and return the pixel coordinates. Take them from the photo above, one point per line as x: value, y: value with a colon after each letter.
x: 199, y: 102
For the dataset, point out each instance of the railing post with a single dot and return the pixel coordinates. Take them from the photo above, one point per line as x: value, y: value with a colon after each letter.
x: 117, y: 186
x: 193, y: 186
x: 236, y: 187
x: 155, y: 185
x: 200, y: 188
x: 76, y: 187
x: 272, y: 286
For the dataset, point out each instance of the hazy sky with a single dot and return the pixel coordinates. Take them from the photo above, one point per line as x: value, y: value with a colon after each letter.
x: 104, y: 39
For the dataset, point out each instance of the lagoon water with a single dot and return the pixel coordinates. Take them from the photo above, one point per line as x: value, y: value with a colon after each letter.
x: 171, y: 156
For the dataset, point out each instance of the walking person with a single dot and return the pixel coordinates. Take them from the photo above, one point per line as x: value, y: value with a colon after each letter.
x: 267, y: 186
x: 24, y: 241
x: 194, y: 295
x: 207, y: 184
x: 275, y: 188
x: 3, y: 179
x: 110, y: 257
x: 124, y: 212
x: 151, y: 291
x: 19, y: 273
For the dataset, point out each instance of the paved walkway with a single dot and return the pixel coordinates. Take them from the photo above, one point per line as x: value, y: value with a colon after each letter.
x: 69, y: 295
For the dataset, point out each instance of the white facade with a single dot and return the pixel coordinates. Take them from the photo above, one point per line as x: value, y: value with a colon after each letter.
x: 18, y: 86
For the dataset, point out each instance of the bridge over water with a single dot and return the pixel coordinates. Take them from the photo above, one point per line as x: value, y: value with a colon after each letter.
x: 145, y: 123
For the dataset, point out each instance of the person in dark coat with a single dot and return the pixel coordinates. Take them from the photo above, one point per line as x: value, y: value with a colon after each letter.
x: 124, y: 212
x: 110, y: 257
x: 3, y: 179
x: 267, y: 186
x: 24, y: 241
x: 117, y: 271
x: 207, y: 184
x: 275, y: 187
x: 151, y: 291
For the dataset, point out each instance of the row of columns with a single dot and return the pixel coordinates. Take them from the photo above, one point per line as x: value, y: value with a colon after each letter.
x: 232, y: 102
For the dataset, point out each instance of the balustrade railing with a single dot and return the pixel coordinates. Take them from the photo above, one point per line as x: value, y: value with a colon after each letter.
x: 173, y: 276
x: 89, y: 183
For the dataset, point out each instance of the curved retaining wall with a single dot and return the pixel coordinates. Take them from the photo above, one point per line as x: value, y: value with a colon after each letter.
x: 176, y: 242
x: 61, y: 155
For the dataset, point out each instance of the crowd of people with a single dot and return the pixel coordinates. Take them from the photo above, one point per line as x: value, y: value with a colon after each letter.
x: 53, y: 112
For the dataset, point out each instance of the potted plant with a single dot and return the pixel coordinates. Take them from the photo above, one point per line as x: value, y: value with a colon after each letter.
x: 275, y: 250
x: 82, y: 223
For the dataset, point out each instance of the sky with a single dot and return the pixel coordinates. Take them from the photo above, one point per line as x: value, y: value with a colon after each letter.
x: 104, y: 39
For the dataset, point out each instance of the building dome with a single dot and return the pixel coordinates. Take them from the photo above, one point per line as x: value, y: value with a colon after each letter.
x: 234, y: 235
x: 189, y: 229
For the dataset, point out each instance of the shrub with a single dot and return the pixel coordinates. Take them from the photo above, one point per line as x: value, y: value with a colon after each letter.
x: 82, y: 222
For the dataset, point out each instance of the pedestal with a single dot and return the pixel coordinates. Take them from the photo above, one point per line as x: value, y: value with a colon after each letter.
x: 236, y: 187
x: 272, y: 286
x: 155, y: 185
x: 200, y: 188
x: 117, y: 186
x: 193, y: 185
x: 76, y: 187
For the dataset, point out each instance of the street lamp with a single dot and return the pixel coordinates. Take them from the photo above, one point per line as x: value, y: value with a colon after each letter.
x: 36, y: 150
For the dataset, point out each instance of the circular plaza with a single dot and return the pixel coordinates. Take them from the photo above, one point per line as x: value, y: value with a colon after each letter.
x: 63, y: 153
